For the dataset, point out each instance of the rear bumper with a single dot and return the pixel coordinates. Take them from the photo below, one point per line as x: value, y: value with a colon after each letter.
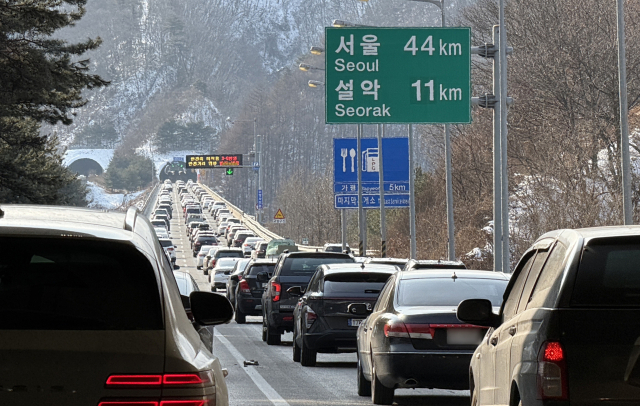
x: 249, y: 305
x: 281, y: 321
x: 332, y: 341
x: 443, y: 370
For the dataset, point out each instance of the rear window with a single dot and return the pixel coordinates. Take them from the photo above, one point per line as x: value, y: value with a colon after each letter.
x: 608, y: 275
x: 71, y: 284
x: 333, y: 249
x: 359, y: 284
x: 207, y: 241
x: 307, y: 266
x: 226, y: 263
x: 230, y: 254
x: 166, y: 243
x: 449, y: 292
x: 256, y: 269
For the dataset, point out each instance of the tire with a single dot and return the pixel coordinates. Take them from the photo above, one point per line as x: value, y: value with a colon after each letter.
x: 307, y: 356
x: 364, y: 386
x: 206, y: 271
x: 240, y: 317
x: 214, y: 289
x: 296, y: 350
x: 198, y: 267
x: 273, y: 339
x: 380, y: 394
x: 264, y: 328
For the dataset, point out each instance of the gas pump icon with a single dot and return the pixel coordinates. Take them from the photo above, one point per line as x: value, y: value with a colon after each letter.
x: 370, y: 160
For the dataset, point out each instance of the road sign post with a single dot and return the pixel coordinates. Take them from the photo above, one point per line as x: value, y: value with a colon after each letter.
x: 364, y: 83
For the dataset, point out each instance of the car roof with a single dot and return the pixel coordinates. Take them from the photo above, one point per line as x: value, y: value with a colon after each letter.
x: 449, y: 273
x: 392, y: 261
x: 319, y: 254
x: 359, y: 267
x: 231, y: 249
x: 597, y: 232
x: 434, y: 264
x: 261, y: 261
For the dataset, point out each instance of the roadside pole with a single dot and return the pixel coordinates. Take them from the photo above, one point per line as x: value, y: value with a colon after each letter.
x: 497, y: 162
x: 343, y: 221
x: 361, y: 219
x: 412, y: 198
x: 383, y: 223
x: 627, y: 207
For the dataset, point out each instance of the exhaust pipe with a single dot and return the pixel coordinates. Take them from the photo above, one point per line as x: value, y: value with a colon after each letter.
x: 411, y: 382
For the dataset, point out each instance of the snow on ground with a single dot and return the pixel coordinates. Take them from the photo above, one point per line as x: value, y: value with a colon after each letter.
x: 99, y: 198
x: 101, y: 156
x: 160, y: 160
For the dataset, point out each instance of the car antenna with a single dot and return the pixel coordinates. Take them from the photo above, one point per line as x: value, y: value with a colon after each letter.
x: 454, y: 276
x: 362, y: 265
x: 1, y: 213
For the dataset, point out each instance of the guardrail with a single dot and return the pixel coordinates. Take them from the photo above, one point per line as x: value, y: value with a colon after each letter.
x: 252, y: 224
x: 151, y: 198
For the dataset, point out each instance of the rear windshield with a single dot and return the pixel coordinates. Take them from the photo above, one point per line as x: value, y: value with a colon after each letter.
x: 166, y: 243
x: 230, y: 254
x: 71, y: 284
x: 448, y: 292
x: 256, y: 269
x: 226, y: 263
x: 333, y: 249
x: 307, y: 266
x: 194, y: 210
x: 609, y: 275
x: 207, y: 241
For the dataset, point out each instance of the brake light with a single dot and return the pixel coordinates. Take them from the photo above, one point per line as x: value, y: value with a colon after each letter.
x: 395, y: 328
x: 183, y: 379
x: 184, y: 402
x: 309, y: 317
x: 244, y: 286
x: 552, y: 372
x: 421, y: 331
x: 126, y: 403
x: 201, y: 402
x: 275, y: 291
x: 135, y: 380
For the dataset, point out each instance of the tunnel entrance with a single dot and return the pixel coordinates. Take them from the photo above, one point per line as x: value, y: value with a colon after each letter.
x: 86, y: 167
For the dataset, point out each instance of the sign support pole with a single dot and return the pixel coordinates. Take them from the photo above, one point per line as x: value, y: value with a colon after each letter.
x: 361, y: 219
x: 343, y: 221
x: 503, y: 142
x: 383, y: 222
x: 497, y: 161
x: 412, y: 198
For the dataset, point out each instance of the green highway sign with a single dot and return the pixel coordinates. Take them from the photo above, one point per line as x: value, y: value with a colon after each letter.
x: 398, y: 75
x: 229, y: 171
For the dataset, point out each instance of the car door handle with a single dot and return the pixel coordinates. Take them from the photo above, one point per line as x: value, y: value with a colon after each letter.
x: 494, y: 340
x: 512, y: 330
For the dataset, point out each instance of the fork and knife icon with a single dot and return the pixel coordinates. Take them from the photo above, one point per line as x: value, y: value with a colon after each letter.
x: 344, y: 152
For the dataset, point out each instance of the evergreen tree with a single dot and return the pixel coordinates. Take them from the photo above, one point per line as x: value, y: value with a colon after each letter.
x: 128, y: 171
x: 31, y: 168
x: 41, y: 77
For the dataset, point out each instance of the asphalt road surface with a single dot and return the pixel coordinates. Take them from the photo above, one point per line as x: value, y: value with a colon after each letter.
x: 276, y: 379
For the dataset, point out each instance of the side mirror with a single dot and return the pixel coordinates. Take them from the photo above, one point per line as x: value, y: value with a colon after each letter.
x: 295, y: 291
x: 227, y: 272
x: 186, y: 302
x: 478, y: 312
x: 262, y: 277
x: 234, y: 278
x: 210, y: 309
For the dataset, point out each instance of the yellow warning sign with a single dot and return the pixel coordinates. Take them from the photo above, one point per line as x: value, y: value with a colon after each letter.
x: 279, y: 215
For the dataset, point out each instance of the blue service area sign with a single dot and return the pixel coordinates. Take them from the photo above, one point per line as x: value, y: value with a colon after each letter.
x: 395, y: 159
x: 260, y: 199
x: 178, y: 159
x: 371, y: 201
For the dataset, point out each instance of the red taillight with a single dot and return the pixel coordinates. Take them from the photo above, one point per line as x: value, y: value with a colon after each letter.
x: 552, y: 372
x: 184, y: 403
x: 244, y: 286
x: 182, y: 379
x: 135, y: 380
x: 126, y: 403
x: 309, y: 317
x: 275, y: 290
x: 421, y: 331
x: 395, y: 328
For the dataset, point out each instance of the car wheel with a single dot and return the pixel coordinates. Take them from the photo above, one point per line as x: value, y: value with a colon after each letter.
x: 240, y: 317
x: 364, y: 386
x: 273, y: 338
x: 307, y: 356
x: 296, y: 350
x: 380, y: 394
x: 264, y: 328
x: 214, y: 289
x: 198, y: 267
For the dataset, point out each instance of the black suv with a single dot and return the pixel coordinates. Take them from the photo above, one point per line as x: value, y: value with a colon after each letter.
x: 292, y: 269
x: 249, y: 290
x: 338, y: 299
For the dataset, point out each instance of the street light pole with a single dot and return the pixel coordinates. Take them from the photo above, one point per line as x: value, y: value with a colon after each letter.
x: 627, y: 208
x: 383, y: 222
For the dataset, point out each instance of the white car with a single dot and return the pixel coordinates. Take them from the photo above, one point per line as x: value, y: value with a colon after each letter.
x: 169, y: 249
x: 249, y: 244
x: 219, y: 276
x: 204, y: 250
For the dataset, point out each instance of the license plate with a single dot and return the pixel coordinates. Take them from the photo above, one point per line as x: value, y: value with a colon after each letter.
x: 464, y: 336
x: 355, y: 322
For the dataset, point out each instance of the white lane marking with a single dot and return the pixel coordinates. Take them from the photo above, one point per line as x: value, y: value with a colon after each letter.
x: 255, y: 376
